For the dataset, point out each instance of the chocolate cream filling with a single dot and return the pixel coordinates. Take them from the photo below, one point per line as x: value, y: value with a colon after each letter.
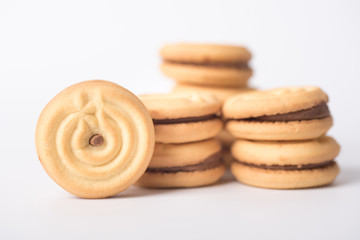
x: 236, y: 65
x: 290, y: 167
x: 317, y: 112
x: 212, y: 161
x: 185, y: 119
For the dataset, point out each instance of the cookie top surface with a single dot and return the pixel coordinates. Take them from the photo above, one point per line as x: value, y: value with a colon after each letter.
x: 274, y: 101
x: 222, y: 93
x: 174, y: 106
x: 204, y: 53
x: 177, y: 155
x: 95, y: 139
x: 286, y: 153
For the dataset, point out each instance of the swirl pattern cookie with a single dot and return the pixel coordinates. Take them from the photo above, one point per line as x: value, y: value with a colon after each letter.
x: 95, y: 139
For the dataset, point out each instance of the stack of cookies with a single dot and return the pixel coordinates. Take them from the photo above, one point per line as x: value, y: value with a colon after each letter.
x: 207, y: 68
x: 282, y: 142
x: 219, y: 70
x: 95, y: 138
x: 186, y: 153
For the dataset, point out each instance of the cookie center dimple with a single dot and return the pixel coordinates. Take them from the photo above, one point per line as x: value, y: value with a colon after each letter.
x: 96, y: 140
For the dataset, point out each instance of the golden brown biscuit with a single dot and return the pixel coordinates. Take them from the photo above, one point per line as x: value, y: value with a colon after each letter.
x: 286, y: 153
x: 184, y: 165
x: 273, y: 102
x: 278, y: 130
x: 182, y: 179
x: 281, y: 179
x: 285, y: 165
x: 180, y: 118
x: 180, y: 105
x: 296, y: 113
x: 207, y: 75
x: 187, y: 131
x: 95, y: 139
x: 207, y: 64
x: 200, y: 53
x: 222, y: 93
x: 173, y: 155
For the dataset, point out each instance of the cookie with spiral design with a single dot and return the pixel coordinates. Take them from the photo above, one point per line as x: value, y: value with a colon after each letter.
x: 95, y: 139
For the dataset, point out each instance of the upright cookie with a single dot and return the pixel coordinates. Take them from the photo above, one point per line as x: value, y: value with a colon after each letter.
x: 295, y: 113
x: 222, y: 93
x: 184, y: 165
x: 95, y: 139
x: 180, y: 118
x: 207, y: 64
x: 285, y: 165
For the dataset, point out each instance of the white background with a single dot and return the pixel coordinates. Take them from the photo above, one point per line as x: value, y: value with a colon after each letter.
x: 46, y: 46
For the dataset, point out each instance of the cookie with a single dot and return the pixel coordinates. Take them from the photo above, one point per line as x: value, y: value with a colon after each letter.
x: 207, y: 64
x: 285, y: 165
x: 184, y: 165
x: 95, y: 139
x: 181, y: 118
x: 222, y: 93
x: 295, y: 113
x: 205, y: 53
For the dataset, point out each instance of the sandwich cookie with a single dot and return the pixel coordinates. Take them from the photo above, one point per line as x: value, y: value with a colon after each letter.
x: 206, y: 64
x: 222, y: 93
x: 95, y: 139
x: 285, y: 165
x: 184, y: 165
x: 181, y: 118
x: 295, y: 113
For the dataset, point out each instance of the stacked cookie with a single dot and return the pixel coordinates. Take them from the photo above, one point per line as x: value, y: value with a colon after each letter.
x: 186, y: 153
x: 219, y: 70
x: 282, y: 142
x: 95, y: 138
